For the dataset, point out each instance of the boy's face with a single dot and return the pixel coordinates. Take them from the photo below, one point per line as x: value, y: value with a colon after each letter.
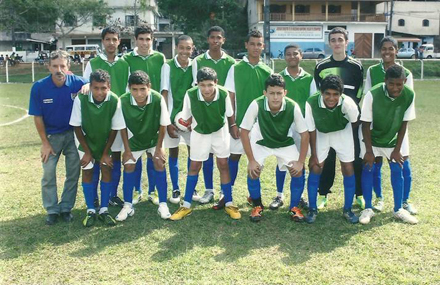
x: 185, y: 49
x: 337, y: 43
x: 395, y: 86
x: 144, y: 43
x: 331, y: 98
x: 207, y: 88
x: 388, y: 52
x: 59, y: 67
x: 216, y: 41
x: 254, y: 46
x: 140, y: 92
x: 110, y: 43
x: 292, y: 57
x: 275, y: 95
x: 99, y: 90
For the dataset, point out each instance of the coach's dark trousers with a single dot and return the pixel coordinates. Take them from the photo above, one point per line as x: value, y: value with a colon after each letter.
x: 328, y: 171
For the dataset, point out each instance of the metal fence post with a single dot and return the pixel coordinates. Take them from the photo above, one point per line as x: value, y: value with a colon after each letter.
x: 7, y: 71
x: 82, y: 64
x: 421, y: 67
x: 33, y: 72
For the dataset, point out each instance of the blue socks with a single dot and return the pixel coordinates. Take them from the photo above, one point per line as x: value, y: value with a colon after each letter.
x: 128, y: 185
x: 349, y: 190
x: 397, y: 184
x: 254, y: 187
x: 106, y: 188
x: 208, y: 172
x: 161, y: 184
x: 95, y: 179
x: 173, y: 163
x: 150, y: 174
x: 116, y: 176
x: 191, y: 182
x: 227, y: 191
x: 296, y: 190
x: 312, y: 189
x: 367, y: 184
x: 280, y: 178
x: 88, y: 189
x: 377, y: 179
x: 407, y: 179
x: 233, y: 170
x: 138, y: 171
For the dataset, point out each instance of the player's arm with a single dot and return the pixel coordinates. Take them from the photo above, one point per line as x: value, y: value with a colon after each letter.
x: 366, y: 119
x: 105, y: 158
x: 233, y: 129
x: 396, y: 155
x: 159, y: 154
x: 301, y: 127
x: 254, y: 168
x: 128, y: 155
x: 87, y: 158
x: 86, y: 87
x: 46, y: 147
x: 313, y: 160
x: 118, y: 124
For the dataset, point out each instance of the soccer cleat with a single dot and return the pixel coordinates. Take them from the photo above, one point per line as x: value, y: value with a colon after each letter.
x: 163, y: 211
x: 296, y: 215
x: 116, y: 201
x: 311, y: 216
x: 126, y: 211
x: 175, y: 197
x: 196, y: 196
x: 350, y: 216
x: 90, y: 219
x: 207, y: 197
x: 181, y: 213
x: 303, y: 204
x: 410, y: 208
x: 220, y: 204
x: 378, y: 204
x: 96, y: 203
x: 276, y: 203
x: 366, y: 216
x: 249, y: 201
x: 322, y: 202
x: 137, y: 197
x: 107, y: 219
x: 233, y: 212
x: 153, y: 198
x: 360, y: 202
x: 256, y: 214
x: 51, y: 219
x: 405, y: 217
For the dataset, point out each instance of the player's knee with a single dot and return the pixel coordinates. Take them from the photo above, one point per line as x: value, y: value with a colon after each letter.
x: 116, y: 156
x: 235, y: 157
x: 222, y: 164
x: 106, y: 172
x: 159, y: 165
x: 129, y: 167
x: 87, y: 175
x: 174, y: 152
x: 195, y: 167
x: 347, y: 168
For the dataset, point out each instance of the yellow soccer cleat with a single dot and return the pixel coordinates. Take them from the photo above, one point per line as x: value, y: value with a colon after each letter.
x: 233, y: 212
x: 181, y: 213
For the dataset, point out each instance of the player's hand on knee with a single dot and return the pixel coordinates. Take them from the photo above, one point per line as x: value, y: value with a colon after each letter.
x: 369, y: 159
x: 295, y: 168
x: 106, y: 160
x: 127, y: 156
x: 159, y: 157
x: 172, y: 131
x: 46, y: 151
x: 397, y: 157
x: 86, y: 159
x: 234, y: 131
x: 254, y: 169
x: 313, y: 162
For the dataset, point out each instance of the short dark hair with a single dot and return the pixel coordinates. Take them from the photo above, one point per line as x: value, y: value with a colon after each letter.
x: 395, y: 71
x: 253, y: 34
x: 216, y: 29
x: 332, y: 82
x: 139, y: 77
x: 206, y: 73
x: 183, y: 38
x: 110, y: 30
x: 273, y: 80
x: 99, y: 75
x: 338, y: 30
x: 388, y: 39
x: 143, y: 30
x: 293, y: 45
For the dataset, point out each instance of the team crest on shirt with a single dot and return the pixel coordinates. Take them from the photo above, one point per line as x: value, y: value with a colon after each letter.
x: 73, y: 95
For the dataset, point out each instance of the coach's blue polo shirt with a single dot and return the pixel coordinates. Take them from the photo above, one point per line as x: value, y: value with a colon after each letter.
x: 54, y: 103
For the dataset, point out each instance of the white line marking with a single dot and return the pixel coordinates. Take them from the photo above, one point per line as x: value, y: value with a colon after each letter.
x: 19, y: 119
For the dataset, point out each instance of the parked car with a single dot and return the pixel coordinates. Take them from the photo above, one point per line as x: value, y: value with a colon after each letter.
x: 313, y: 53
x: 240, y: 55
x: 429, y: 51
x: 406, y: 53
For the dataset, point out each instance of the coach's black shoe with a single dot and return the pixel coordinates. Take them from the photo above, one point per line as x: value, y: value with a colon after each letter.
x: 116, y: 201
x: 51, y: 219
x: 303, y: 204
x: 311, y: 216
x: 67, y: 217
x: 276, y: 203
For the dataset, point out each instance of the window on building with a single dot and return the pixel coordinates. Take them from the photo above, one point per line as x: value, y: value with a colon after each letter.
x: 278, y: 8
x: 78, y: 41
x: 99, y: 20
x: 130, y: 20
x: 425, y: 23
x: 401, y: 22
x: 302, y: 9
x: 69, y: 20
x: 334, y: 9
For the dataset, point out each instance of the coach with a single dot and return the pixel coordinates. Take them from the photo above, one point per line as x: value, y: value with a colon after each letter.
x: 51, y: 103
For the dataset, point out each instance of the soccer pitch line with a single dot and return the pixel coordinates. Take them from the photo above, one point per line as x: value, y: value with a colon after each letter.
x: 17, y: 120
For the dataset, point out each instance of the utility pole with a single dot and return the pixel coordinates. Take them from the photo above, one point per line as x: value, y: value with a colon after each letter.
x: 266, y: 30
x: 391, y: 18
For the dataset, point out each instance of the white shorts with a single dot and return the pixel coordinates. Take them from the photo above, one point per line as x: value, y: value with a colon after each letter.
x: 297, y: 138
x: 384, y: 151
x: 138, y: 154
x: 341, y: 141
x: 216, y: 143
x: 284, y: 155
x: 118, y: 145
x: 169, y: 142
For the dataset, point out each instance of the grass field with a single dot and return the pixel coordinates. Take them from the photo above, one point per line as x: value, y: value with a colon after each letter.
x: 208, y: 247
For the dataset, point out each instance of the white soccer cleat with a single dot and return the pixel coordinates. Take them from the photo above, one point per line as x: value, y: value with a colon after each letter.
x: 366, y: 216
x: 196, y: 197
x: 163, y: 211
x: 410, y: 208
x: 379, y: 204
x: 126, y: 211
x: 207, y: 197
x: 405, y: 217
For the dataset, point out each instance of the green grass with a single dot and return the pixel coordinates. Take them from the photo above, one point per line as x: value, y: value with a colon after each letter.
x: 208, y: 247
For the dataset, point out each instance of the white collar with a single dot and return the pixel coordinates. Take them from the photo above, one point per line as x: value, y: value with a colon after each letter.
x: 207, y: 56
x: 178, y: 64
x: 107, y: 98
x: 200, y: 96
x: 135, y: 53
x: 300, y: 74
x: 267, y: 108
x: 104, y: 57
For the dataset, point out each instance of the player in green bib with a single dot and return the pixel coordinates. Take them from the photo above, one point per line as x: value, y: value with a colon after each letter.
x: 299, y: 85
x: 265, y: 131
x: 119, y: 71
x: 146, y: 116
x: 386, y: 110
x: 245, y: 82
x: 144, y: 58
x: 376, y: 75
x: 330, y: 115
x: 221, y: 62
x: 209, y: 108
x: 96, y: 119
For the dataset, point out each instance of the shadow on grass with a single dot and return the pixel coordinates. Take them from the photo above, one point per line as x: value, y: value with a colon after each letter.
x: 205, y: 228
